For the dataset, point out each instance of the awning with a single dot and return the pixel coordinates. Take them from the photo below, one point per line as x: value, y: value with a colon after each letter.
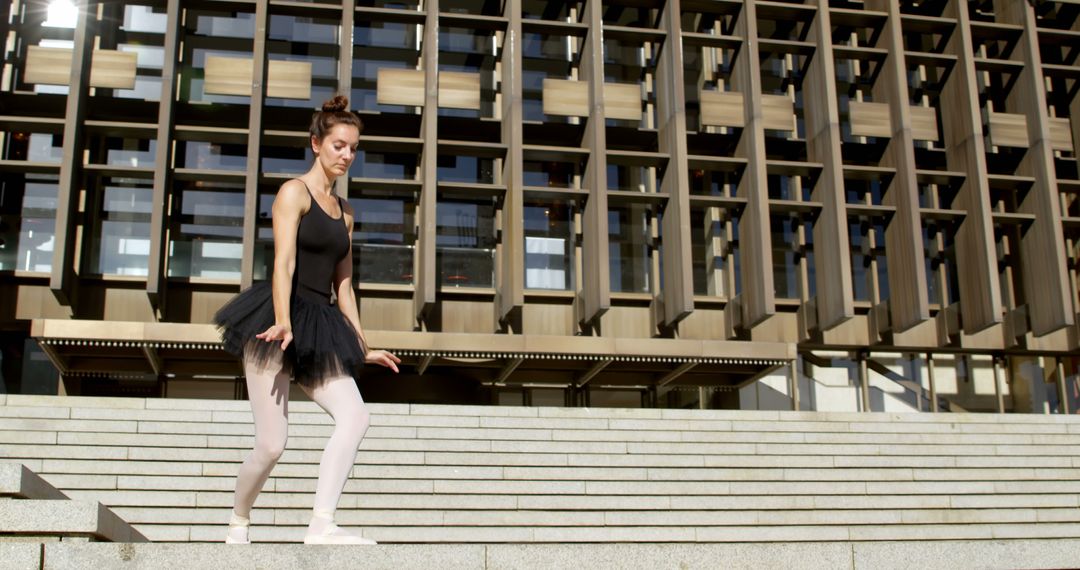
x: 85, y: 347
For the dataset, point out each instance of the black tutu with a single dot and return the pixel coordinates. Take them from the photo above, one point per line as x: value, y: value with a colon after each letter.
x: 324, y: 344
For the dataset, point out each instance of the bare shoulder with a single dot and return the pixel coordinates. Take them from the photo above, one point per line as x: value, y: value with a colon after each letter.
x: 293, y: 196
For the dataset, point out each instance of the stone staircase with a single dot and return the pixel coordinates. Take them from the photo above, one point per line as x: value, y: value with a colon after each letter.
x: 490, y: 485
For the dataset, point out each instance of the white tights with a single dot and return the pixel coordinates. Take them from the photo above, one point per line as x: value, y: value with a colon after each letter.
x: 268, y: 390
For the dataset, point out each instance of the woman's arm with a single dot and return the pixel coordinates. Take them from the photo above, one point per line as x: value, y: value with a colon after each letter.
x: 290, y: 204
x: 346, y: 301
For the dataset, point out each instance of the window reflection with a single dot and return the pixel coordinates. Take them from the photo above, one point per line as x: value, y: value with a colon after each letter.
x: 27, y: 222
x: 465, y: 243
x: 383, y: 240
x: 121, y: 242
x: 207, y: 231
x: 549, y: 245
x: 629, y: 248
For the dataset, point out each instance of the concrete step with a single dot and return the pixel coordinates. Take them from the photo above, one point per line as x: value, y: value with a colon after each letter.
x: 708, y: 482
x: 210, y: 456
x: 571, y: 419
x: 65, y: 518
x: 444, y: 474
x: 16, y: 481
x: 388, y: 469
x: 457, y: 517
x: 641, y: 534
x: 1020, y: 554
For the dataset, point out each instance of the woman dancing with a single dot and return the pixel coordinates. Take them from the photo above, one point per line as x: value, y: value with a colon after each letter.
x: 290, y: 328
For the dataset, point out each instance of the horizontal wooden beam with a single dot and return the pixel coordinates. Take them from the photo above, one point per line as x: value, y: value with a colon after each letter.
x: 109, y: 69
x: 232, y: 76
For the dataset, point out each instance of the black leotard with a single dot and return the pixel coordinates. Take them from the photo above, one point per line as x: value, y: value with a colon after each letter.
x: 321, y: 242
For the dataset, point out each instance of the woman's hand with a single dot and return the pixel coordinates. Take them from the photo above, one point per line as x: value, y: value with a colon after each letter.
x: 275, y: 333
x: 382, y: 358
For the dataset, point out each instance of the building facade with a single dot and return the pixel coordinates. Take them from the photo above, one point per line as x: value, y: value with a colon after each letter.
x: 829, y: 204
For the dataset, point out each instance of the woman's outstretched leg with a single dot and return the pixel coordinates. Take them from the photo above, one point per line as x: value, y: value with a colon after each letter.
x: 341, y: 399
x: 268, y: 391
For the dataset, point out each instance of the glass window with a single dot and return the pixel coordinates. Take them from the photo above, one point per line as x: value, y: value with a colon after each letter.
x: 307, y: 40
x: 712, y: 251
x: 204, y: 155
x: 378, y: 44
x: 383, y: 240
x: 549, y: 245
x: 465, y: 243
x: 629, y: 248
x: 464, y: 168
x: 869, y: 265
x: 389, y: 165
x: 27, y: 222
x: 207, y: 227
x: 785, y: 256
x: 939, y: 251
x: 121, y: 237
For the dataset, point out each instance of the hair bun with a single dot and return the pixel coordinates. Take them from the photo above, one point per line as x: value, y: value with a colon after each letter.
x: 336, y: 105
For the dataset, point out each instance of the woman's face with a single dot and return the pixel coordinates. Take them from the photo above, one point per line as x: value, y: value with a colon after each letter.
x: 337, y: 150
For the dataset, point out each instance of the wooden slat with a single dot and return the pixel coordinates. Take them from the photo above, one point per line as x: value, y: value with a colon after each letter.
x: 113, y: 69
x: 832, y: 245
x: 566, y: 97
x: 924, y: 123
x: 258, y: 76
x: 157, y: 280
x: 424, y: 280
x: 1061, y: 134
x: 400, y: 87
x: 908, y: 304
x: 778, y: 112
x: 965, y: 151
x: 594, y: 287
x: 227, y: 76
x: 459, y: 90
x: 678, y: 290
x: 869, y: 119
x: 722, y: 109
x: 510, y: 282
x: 52, y: 66
x: 48, y: 65
x: 622, y: 101
x: 232, y: 76
x: 758, y: 297
x: 1044, y: 268
x: 289, y: 79
x: 1009, y: 129
x: 63, y: 279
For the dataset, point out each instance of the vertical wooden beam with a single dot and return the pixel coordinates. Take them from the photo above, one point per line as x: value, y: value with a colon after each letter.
x: 976, y: 258
x: 864, y: 380
x: 1042, y: 259
x: 511, y: 288
x: 678, y: 290
x: 345, y: 61
x: 999, y: 389
x: 63, y: 278
x: 1062, y: 388
x: 933, y: 384
x: 254, y: 159
x: 156, y: 279
x: 425, y: 276
x: 832, y: 249
x: 793, y: 384
x: 755, y: 239
x: 595, y: 296
x: 908, y: 298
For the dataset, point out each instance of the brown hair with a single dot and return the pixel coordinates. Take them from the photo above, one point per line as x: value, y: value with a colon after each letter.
x: 334, y: 112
